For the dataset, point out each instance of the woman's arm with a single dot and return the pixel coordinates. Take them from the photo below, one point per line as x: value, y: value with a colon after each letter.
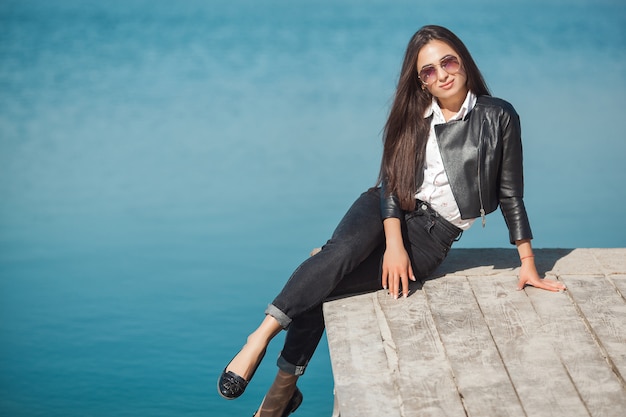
x: 511, y: 193
x: 511, y: 176
x: 396, y: 263
x: 528, y: 274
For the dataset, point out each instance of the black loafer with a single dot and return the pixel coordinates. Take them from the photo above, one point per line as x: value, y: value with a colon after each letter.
x: 292, y: 405
x: 230, y: 385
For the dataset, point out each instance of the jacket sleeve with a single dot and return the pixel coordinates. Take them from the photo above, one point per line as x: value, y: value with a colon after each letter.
x: 389, y: 205
x: 511, y: 187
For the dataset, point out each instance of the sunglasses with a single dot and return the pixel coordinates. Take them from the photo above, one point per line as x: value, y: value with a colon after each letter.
x: 448, y: 63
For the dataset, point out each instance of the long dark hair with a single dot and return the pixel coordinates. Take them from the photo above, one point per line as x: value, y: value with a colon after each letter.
x: 406, y: 131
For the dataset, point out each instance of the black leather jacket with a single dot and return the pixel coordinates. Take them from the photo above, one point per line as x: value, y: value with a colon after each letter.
x: 482, y: 156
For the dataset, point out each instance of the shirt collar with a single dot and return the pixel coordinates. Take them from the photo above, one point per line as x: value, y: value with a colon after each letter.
x: 468, y: 104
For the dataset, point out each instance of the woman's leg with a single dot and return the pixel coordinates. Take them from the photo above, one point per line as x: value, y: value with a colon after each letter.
x: 241, y: 368
x: 305, y: 330
x: 355, y: 238
x: 282, y: 394
x: 304, y: 334
x: 359, y: 233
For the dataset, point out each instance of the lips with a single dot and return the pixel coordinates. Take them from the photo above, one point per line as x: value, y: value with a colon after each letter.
x: 447, y: 85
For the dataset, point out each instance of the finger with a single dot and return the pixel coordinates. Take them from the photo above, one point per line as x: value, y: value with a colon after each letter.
x: 411, y: 274
x: 395, y: 286
x: 543, y: 285
x: 384, y: 279
x: 405, y: 287
x: 555, y: 284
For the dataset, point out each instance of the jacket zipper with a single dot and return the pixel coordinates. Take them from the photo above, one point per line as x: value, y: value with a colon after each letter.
x: 480, y: 185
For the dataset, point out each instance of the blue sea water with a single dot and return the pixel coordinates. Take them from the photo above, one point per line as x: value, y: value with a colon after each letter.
x: 164, y: 166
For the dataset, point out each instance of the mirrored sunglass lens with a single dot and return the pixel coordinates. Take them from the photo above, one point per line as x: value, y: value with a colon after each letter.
x: 427, y: 74
x: 450, y: 64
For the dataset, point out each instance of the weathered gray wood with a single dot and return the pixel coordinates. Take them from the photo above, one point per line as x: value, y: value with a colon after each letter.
x: 599, y: 388
x: 541, y: 381
x: 423, y: 376
x: 422, y: 384
x: 612, y: 260
x: 480, y: 374
x: 469, y: 344
x: 619, y: 280
x: 581, y: 261
x: 360, y: 386
x: 605, y: 312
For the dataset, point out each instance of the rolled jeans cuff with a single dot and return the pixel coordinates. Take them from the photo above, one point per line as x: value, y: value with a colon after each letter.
x: 290, y: 368
x: 280, y: 317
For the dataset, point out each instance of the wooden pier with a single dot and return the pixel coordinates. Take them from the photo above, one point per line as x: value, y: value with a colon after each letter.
x: 468, y: 343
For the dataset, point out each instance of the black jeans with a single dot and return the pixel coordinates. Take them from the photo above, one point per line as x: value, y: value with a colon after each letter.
x: 348, y: 264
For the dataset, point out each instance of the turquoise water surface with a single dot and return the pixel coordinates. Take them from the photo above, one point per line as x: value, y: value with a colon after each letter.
x: 164, y: 166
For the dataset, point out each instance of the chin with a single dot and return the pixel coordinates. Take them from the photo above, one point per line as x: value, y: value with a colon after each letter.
x: 447, y: 94
x: 461, y: 93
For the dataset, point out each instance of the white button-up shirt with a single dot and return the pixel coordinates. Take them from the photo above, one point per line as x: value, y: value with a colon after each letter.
x: 436, y: 190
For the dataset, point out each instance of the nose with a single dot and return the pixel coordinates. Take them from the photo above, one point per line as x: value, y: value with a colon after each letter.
x: 441, y: 73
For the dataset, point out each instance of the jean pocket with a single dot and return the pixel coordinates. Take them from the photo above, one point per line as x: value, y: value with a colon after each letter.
x: 444, y: 237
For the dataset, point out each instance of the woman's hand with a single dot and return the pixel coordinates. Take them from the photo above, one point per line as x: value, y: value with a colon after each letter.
x: 528, y: 274
x: 397, y: 271
x: 396, y: 263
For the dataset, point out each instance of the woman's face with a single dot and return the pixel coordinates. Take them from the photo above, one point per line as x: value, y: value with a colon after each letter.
x: 441, y: 71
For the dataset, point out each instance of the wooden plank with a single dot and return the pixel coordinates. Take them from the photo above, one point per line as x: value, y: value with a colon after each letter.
x: 360, y: 367
x: 612, y: 260
x: 605, y: 311
x: 424, y: 376
x: 480, y: 375
x: 598, y: 386
x: 619, y: 280
x: 582, y: 261
x: 542, y: 383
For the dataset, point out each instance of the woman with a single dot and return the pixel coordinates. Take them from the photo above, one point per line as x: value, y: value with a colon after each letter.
x: 452, y: 154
